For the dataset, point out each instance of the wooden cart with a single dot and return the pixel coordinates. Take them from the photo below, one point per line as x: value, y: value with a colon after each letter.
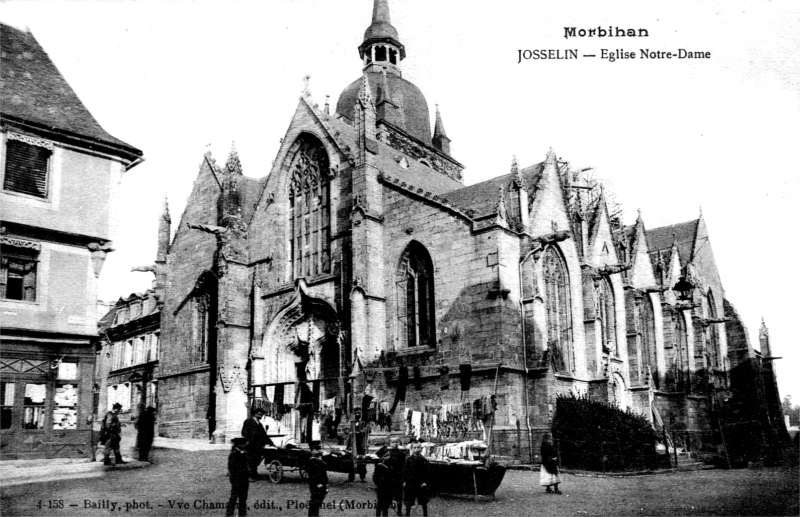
x: 294, y: 459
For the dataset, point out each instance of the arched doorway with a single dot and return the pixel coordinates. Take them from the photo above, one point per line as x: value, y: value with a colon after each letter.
x: 302, y: 359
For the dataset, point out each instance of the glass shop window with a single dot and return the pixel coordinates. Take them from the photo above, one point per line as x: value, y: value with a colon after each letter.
x: 7, y: 390
x: 65, y: 407
x: 67, y: 371
x: 33, y: 406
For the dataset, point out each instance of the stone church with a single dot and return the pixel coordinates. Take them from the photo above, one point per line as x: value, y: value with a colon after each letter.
x: 363, y: 256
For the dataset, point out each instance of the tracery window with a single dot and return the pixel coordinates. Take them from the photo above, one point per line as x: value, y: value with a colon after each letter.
x: 309, y: 200
x: 713, y: 334
x: 200, y: 327
x: 607, y: 316
x: 648, y: 339
x: 680, y: 357
x: 415, y: 298
x: 558, y: 309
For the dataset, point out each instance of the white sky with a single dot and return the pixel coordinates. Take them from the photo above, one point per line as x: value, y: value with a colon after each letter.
x: 177, y: 78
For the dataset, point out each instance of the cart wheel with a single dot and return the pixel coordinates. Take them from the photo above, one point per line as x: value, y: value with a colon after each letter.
x: 275, y: 471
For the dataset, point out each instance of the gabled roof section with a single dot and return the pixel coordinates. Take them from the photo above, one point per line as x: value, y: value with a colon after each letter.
x: 685, y: 234
x: 35, y: 93
x: 147, y: 306
x: 482, y: 197
x: 252, y: 189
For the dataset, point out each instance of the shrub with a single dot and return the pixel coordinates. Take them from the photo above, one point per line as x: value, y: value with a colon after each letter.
x: 595, y: 435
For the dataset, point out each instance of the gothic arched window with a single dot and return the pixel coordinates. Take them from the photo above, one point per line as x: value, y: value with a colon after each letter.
x: 608, y: 320
x: 648, y: 336
x: 416, y: 315
x: 309, y: 209
x: 713, y: 333
x: 200, y: 327
x: 681, y: 351
x: 558, y: 308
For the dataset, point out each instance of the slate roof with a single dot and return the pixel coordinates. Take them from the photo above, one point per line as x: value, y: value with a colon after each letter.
x: 251, y: 190
x: 661, y: 239
x: 417, y: 174
x: 33, y: 91
x: 414, y: 117
x: 482, y: 197
x: 106, y: 322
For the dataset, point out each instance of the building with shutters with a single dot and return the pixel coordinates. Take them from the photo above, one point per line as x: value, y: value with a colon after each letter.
x: 60, y: 174
x: 362, y: 262
x: 126, y: 363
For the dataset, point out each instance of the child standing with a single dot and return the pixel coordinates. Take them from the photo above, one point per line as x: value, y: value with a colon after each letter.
x: 240, y: 477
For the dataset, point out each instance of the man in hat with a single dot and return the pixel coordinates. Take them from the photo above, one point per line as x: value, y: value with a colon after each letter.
x: 383, y: 477
x: 317, y: 479
x: 110, y: 432
x: 238, y: 471
x: 257, y: 438
x: 396, y: 463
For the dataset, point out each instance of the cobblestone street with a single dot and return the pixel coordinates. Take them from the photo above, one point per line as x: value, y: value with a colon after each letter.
x: 195, y: 483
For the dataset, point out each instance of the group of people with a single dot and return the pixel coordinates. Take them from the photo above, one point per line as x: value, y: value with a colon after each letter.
x: 111, y: 434
x: 248, y: 452
x: 401, y: 479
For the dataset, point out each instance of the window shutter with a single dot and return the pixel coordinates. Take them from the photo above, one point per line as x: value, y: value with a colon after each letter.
x: 26, y: 168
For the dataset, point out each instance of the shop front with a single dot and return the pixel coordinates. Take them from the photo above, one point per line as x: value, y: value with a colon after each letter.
x: 46, y: 396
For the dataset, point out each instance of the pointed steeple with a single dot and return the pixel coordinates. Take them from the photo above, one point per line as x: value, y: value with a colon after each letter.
x: 387, y: 109
x: 440, y: 139
x: 164, y: 229
x: 500, y: 207
x: 365, y: 121
x: 160, y: 270
x: 763, y: 339
x: 519, y: 182
x: 381, y: 47
x: 233, y: 165
x: 230, y: 200
x: 365, y: 93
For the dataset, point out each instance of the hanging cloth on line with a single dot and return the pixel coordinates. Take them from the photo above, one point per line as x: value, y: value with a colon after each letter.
x: 466, y: 375
x: 444, y: 380
x: 400, y: 393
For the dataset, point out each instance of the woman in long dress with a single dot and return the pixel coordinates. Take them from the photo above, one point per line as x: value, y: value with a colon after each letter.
x: 549, y: 476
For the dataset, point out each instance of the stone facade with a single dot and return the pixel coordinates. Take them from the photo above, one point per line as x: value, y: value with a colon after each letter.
x: 126, y: 365
x: 362, y: 252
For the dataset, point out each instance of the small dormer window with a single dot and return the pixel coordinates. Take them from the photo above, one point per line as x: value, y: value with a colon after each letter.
x: 380, y: 53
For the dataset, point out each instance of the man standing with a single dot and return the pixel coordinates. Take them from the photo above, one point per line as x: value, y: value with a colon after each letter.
x: 317, y: 479
x: 256, y: 437
x: 110, y: 432
x: 359, y: 436
x: 384, y: 484
x: 396, y: 463
x: 145, y: 427
x: 238, y: 469
x: 415, y: 488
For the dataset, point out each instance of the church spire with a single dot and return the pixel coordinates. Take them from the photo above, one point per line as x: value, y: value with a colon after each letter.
x: 381, y: 48
x: 440, y: 138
